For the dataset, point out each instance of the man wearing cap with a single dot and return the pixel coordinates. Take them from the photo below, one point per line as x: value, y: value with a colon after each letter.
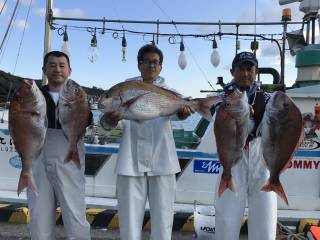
x: 250, y: 173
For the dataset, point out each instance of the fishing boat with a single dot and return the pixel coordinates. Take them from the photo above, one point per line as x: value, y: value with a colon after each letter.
x: 197, y: 153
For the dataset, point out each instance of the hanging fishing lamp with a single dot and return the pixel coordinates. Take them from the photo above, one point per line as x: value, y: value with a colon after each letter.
x: 124, y: 47
x: 182, y: 60
x: 215, y: 57
x: 65, y: 46
x: 93, y: 48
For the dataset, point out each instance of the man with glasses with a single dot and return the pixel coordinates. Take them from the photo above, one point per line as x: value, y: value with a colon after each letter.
x: 147, y: 161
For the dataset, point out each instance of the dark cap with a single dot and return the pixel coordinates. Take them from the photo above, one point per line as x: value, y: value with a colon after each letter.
x: 243, y: 57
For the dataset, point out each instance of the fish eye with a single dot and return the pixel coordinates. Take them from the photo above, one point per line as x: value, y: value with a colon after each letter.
x: 285, y: 104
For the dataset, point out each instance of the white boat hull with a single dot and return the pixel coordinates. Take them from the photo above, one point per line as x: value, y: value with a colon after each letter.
x: 195, y: 184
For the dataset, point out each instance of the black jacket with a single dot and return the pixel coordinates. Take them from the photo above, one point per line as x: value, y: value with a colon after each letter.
x: 52, y: 110
x: 258, y: 99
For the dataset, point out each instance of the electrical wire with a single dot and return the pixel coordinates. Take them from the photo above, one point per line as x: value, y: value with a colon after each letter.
x: 186, y: 45
x: 6, y: 42
x: 4, y: 4
x: 188, y: 35
x: 116, y: 10
x: 22, y: 36
x: 9, y: 25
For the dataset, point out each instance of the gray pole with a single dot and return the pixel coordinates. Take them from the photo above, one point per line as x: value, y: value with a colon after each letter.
x: 47, y: 35
x: 283, y: 52
x: 168, y: 22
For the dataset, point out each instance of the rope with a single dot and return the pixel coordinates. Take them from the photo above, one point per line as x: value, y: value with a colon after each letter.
x: 287, y: 233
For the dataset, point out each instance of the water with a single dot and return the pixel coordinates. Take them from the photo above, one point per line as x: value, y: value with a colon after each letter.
x: 189, y: 124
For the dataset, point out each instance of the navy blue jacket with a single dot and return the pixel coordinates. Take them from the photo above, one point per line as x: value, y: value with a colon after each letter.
x: 257, y: 98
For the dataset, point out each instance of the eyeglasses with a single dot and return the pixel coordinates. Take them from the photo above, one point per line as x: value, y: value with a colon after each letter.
x: 150, y: 63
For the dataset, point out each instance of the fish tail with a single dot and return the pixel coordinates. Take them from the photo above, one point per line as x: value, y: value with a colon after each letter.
x: 203, y: 106
x: 73, y: 155
x: 26, y: 180
x: 224, y: 184
x: 277, y: 188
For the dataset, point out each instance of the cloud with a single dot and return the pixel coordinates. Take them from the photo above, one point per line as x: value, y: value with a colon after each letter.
x: 272, y: 54
x: 20, y: 24
x: 58, y: 12
x: 75, y: 12
x: 266, y: 11
x: 39, y: 12
x: 269, y: 50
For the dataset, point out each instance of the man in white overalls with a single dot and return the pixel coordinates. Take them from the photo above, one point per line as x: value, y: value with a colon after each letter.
x: 250, y: 173
x: 55, y: 180
x: 147, y: 162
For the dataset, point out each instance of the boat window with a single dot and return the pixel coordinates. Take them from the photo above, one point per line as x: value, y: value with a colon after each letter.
x: 183, y: 162
x: 94, y: 162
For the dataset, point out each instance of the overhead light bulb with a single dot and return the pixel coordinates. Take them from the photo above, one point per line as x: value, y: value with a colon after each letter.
x: 215, y: 57
x: 93, y: 49
x: 124, y: 48
x: 65, y: 46
x: 238, y: 45
x: 182, y: 60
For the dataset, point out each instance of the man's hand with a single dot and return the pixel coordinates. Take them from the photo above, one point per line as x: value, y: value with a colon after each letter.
x: 110, y: 119
x: 185, y: 111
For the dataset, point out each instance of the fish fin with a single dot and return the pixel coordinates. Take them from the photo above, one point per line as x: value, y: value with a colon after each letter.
x: 64, y: 133
x: 203, y: 106
x: 26, y: 180
x: 28, y: 82
x: 73, y: 155
x: 301, y: 139
x: 277, y: 188
x: 287, y: 164
x: 171, y: 92
x: 259, y: 129
x: 46, y: 123
x: 224, y: 184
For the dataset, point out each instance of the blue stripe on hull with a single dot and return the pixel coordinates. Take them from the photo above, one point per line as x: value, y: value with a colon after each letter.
x: 187, y: 154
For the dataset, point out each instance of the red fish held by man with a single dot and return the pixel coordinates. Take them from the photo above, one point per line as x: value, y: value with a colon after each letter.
x: 137, y: 100
x: 231, y: 131
x: 27, y: 126
x: 281, y: 133
x: 73, y: 115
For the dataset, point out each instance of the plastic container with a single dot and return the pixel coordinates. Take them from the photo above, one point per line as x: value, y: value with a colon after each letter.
x: 204, y: 222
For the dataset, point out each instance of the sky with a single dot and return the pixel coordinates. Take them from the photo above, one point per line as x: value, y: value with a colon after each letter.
x: 109, y: 70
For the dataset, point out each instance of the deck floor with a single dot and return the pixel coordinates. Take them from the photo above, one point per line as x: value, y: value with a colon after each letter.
x: 9, y: 232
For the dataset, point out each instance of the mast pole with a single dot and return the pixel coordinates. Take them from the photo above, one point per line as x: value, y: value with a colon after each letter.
x: 47, y: 34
